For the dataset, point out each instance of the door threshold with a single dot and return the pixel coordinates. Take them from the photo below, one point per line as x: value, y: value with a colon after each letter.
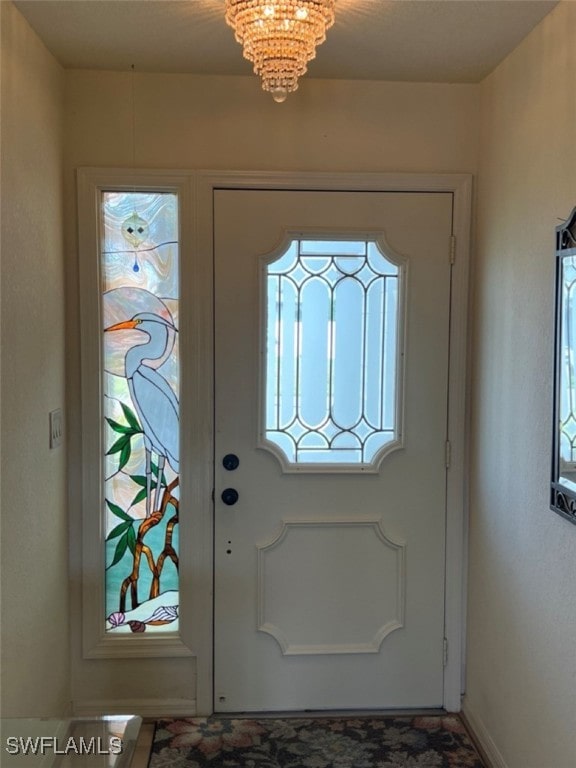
x: 326, y: 713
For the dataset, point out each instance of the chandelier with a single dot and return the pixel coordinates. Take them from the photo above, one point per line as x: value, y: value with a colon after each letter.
x: 280, y: 37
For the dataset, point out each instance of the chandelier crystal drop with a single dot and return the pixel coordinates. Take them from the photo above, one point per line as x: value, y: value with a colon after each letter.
x: 280, y: 37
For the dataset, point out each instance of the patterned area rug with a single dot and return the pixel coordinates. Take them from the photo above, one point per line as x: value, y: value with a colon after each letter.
x: 328, y: 742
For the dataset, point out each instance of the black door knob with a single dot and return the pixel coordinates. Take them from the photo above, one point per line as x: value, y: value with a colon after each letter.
x: 229, y: 496
x: 230, y: 461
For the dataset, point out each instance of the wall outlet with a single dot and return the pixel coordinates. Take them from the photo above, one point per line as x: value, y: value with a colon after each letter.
x: 56, y: 428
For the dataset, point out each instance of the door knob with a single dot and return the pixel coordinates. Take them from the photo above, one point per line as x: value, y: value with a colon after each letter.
x: 229, y: 496
x: 230, y: 461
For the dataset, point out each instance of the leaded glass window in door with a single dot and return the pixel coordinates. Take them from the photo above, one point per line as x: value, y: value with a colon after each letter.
x: 332, y: 376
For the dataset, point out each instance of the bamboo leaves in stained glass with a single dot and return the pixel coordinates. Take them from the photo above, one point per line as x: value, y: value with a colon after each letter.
x: 140, y: 352
x: 332, y: 342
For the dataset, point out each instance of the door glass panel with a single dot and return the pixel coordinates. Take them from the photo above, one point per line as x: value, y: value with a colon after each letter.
x: 140, y: 384
x: 332, y: 351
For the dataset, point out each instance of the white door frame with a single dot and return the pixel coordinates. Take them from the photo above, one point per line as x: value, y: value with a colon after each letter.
x: 201, y: 374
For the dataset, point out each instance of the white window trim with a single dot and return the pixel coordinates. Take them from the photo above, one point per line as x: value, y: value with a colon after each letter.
x: 97, y: 643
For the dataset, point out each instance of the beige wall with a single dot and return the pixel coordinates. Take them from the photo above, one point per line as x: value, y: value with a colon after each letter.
x: 228, y: 123
x: 522, y: 598
x: 35, y: 619
x: 185, y: 121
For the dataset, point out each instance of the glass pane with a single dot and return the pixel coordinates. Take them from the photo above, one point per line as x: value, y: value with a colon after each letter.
x: 348, y: 367
x: 331, y: 247
x: 141, y: 375
x: 331, y: 352
x: 287, y: 352
x: 313, y: 402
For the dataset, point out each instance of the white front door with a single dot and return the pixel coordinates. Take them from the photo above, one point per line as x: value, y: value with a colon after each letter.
x: 331, y: 371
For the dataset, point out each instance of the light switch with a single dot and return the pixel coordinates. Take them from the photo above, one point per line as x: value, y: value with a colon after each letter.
x: 56, y: 428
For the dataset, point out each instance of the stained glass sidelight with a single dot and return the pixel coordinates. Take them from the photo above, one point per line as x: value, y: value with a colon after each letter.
x: 140, y: 353
x: 332, y: 336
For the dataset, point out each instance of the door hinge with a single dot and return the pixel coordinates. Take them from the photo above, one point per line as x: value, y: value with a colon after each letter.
x: 445, y: 652
x: 448, y: 456
x: 452, y: 249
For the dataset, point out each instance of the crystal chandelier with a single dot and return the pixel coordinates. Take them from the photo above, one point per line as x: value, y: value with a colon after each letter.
x: 280, y: 37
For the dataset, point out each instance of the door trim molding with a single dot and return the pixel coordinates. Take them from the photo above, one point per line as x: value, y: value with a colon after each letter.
x: 460, y: 186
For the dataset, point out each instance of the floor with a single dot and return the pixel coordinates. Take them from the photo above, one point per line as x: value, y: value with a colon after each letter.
x: 141, y: 754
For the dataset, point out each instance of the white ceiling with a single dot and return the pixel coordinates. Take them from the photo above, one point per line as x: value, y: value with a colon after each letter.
x: 406, y: 40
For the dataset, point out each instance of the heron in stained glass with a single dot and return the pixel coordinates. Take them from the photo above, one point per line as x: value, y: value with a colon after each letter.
x: 153, y: 398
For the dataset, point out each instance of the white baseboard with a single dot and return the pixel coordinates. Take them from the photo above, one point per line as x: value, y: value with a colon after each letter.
x: 149, y: 708
x: 490, y: 752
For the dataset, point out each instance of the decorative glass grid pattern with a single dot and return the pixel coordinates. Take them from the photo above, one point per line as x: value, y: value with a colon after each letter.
x: 332, y: 310
x: 139, y: 258
x: 567, y: 370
